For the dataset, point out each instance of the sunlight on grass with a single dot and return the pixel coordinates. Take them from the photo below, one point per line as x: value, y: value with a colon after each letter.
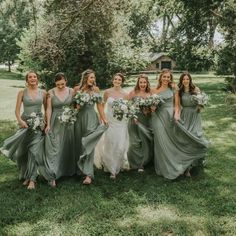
x: 146, y: 215
x: 208, y: 124
x: 134, y: 204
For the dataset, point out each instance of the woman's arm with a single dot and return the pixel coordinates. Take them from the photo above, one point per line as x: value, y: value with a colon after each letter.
x: 101, y: 107
x: 19, y: 101
x: 177, y: 106
x: 48, y: 111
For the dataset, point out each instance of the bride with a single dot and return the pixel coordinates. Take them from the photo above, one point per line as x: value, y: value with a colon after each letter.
x: 111, y: 151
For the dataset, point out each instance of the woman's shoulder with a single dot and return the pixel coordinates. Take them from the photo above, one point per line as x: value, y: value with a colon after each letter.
x: 21, y: 92
x: 132, y: 94
x: 197, y: 90
x: 77, y: 88
x: 50, y: 93
x: 43, y: 91
x: 154, y: 90
x: 96, y: 89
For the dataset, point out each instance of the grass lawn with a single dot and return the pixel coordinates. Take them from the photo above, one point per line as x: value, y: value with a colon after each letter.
x: 134, y: 204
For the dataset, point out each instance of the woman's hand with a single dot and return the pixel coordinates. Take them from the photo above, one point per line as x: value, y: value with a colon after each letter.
x: 135, y: 120
x: 23, y: 124
x: 199, y: 108
x: 77, y: 106
x: 177, y: 116
x: 47, y: 129
x: 153, y: 108
x: 104, y: 121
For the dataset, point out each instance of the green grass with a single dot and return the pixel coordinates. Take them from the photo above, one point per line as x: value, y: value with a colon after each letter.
x: 135, y: 204
x: 10, y: 75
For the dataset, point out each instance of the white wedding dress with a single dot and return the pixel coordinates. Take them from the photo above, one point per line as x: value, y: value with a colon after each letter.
x: 111, y: 150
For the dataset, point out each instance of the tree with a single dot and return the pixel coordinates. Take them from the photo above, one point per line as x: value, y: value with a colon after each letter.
x: 15, y: 15
x: 72, y: 40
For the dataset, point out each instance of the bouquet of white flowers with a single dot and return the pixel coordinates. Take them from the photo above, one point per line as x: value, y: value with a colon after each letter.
x: 95, y: 98
x: 68, y: 116
x: 85, y: 98
x: 81, y: 98
x: 201, y: 99
x: 119, y: 108
x: 133, y: 110
x: 124, y: 109
x: 35, y: 121
x: 153, y: 100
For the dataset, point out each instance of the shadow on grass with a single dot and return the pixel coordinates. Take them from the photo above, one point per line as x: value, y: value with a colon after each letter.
x: 134, y: 204
x: 136, y: 201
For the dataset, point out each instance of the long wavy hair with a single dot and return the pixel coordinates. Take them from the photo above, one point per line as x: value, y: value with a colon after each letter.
x: 181, y: 86
x: 160, y: 77
x: 84, y: 78
x: 148, y: 88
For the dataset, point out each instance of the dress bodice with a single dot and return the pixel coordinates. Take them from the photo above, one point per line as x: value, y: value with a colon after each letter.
x: 32, y: 105
x: 57, y: 104
x: 167, y: 96
x: 186, y: 100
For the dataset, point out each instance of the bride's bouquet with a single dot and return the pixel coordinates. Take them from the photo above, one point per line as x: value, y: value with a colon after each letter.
x: 201, y: 99
x: 35, y: 121
x: 68, y: 115
x: 124, y: 110
x: 85, y: 98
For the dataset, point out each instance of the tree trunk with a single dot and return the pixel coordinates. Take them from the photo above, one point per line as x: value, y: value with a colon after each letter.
x: 9, y: 66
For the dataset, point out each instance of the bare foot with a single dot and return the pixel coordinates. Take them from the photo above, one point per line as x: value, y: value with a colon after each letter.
x: 112, y: 176
x: 31, y: 185
x: 187, y: 173
x: 52, y: 183
x: 140, y: 170
x: 26, y: 182
x: 87, y: 180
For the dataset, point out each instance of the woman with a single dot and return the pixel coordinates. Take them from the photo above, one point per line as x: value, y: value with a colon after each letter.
x: 187, y: 114
x: 140, y: 136
x: 112, y: 150
x: 59, y: 158
x: 88, y: 129
x: 172, y: 153
x: 23, y: 147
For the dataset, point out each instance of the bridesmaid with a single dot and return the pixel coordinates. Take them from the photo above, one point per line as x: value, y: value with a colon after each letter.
x: 188, y: 112
x: 23, y: 146
x: 59, y: 157
x: 88, y: 129
x: 112, y: 149
x: 173, y: 154
x: 140, y: 136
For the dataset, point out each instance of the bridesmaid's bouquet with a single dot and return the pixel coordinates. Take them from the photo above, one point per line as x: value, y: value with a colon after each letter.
x: 95, y: 98
x: 146, y: 104
x: 201, y: 99
x: 85, y: 98
x: 35, y: 121
x: 153, y: 100
x: 124, y: 110
x: 68, y: 116
x: 81, y: 98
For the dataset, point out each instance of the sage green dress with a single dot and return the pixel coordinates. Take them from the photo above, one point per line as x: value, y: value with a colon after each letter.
x: 23, y: 146
x: 140, y: 151
x: 190, y: 121
x: 58, y: 158
x: 174, y: 149
x: 88, y: 131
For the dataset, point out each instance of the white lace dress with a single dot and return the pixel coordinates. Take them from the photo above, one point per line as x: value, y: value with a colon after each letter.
x: 111, y: 151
